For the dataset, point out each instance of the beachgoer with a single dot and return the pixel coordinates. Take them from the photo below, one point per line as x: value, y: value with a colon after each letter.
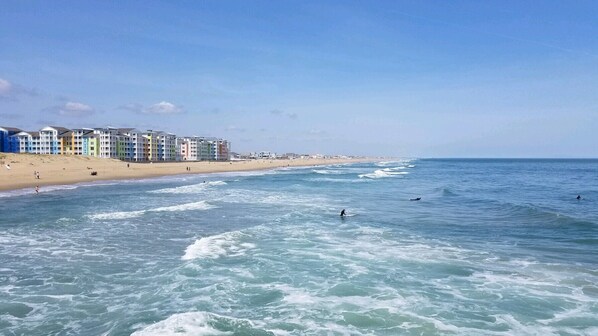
x: 578, y: 197
x: 37, y: 189
x: 37, y: 175
x: 127, y: 165
x: 343, y: 213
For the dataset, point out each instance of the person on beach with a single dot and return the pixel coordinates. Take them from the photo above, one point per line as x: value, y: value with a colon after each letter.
x: 37, y: 189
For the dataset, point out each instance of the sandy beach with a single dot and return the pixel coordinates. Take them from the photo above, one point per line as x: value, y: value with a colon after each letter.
x: 60, y: 170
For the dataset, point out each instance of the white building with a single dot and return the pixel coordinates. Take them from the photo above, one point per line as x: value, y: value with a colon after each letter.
x: 27, y: 142
x: 167, y: 146
x: 51, y: 140
x: 108, y: 137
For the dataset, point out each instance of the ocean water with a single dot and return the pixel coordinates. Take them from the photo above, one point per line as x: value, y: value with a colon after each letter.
x: 494, y: 247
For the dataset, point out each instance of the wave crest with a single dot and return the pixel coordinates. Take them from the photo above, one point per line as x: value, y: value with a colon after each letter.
x: 213, y: 247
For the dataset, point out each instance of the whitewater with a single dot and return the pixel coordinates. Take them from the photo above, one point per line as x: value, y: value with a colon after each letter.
x: 494, y: 247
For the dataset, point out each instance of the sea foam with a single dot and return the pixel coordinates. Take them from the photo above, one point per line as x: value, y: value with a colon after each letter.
x: 201, y: 205
x: 188, y: 189
x: 382, y: 173
x: 216, y: 246
x: 192, y: 323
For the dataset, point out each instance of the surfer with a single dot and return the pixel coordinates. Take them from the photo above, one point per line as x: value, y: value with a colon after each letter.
x: 578, y: 197
x: 416, y: 199
x: 343, y: 213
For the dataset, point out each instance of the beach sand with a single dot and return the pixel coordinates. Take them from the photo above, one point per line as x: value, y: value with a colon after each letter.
x: 61, y: 169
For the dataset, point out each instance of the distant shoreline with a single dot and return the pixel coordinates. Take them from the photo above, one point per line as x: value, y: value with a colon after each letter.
x: 65, y: 170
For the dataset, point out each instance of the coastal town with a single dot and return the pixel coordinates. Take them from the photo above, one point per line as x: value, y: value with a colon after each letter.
x: 127, y: 144
x: 60, y: 156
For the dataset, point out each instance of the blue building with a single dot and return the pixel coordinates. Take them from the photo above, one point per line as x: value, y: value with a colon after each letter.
x: 6, y: 145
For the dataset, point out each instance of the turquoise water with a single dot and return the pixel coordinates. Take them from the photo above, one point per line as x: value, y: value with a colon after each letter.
x: 495, y: 247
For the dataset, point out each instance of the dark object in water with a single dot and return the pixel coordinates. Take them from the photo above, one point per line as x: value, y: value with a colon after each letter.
x: 343, y: 213
x: 416, y: 199
x: 578, y: 197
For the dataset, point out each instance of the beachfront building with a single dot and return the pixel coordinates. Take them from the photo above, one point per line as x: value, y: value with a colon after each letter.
x: 222, y: 150
x: 138, y: 145
x: 23, y: 142
x: 150, y: 147
x: 5, y: 136
x: 108, y: 137
x: 206, y: 149
x: 128, y: 144
x: 51, y: 140
x: 166, y: 146
x: 182, y: 149
x: 124, y: 147
x: 78, y: 144
x: 187, y: 148
x: 264, y: 155
x: 90, y: 145
x: 202, y: 149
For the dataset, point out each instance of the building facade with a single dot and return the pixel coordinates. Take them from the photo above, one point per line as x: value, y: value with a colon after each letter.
x: 5, y: 134
x: 128, y: 144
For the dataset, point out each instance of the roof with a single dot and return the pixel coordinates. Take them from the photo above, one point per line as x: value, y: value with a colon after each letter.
x: 10, y: 129
x: 33, y: 134
x: 125, y: 130
x: 60, y: 129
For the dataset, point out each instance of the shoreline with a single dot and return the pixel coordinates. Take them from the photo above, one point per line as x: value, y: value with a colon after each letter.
x: 56, y: 170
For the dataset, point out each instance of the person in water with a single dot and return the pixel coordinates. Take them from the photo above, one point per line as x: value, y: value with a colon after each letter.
x: 578, y: 197
x: 416, y: 199
x: 343, y: 213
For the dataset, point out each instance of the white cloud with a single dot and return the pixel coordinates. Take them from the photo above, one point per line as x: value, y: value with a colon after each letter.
x: 72, y: 109
x: 161, y: 108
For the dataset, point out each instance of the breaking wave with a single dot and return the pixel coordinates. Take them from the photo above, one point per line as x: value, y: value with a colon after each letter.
x: 201, y: 205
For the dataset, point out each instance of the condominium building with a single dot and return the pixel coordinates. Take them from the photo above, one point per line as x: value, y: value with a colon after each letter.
x: 77, y: 143
x: 5, y: 134
x: 127, y: 144
x: 150, y: 148
x: 90, y: 145
x: 52, y: 140
x: 222, y: 150
x: 24, y: 142
x: 166, y: 146
x: 108, y: 137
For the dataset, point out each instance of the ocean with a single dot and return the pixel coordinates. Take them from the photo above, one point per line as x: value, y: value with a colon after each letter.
x: 494, y: 247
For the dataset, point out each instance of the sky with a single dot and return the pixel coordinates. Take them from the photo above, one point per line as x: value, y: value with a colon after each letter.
x: 379, y: 78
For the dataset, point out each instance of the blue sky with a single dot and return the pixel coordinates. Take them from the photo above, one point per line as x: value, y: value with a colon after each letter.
x: 392, y: 78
